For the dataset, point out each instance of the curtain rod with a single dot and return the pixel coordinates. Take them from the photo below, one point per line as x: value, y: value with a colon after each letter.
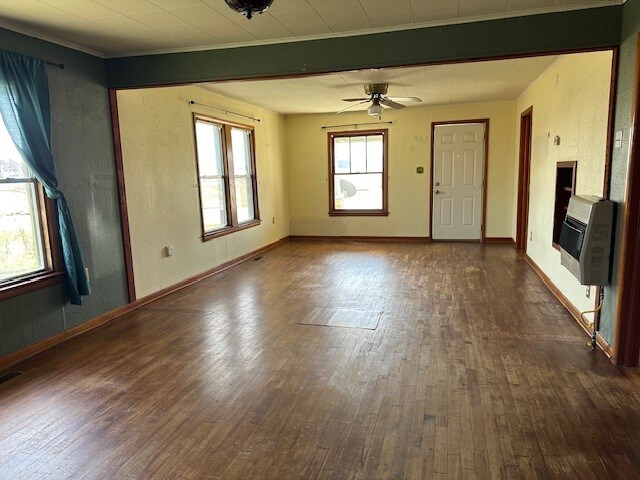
x: 355, y: 124
x: 54, y: 64
x: 193, y: 102
x: 59, y: 65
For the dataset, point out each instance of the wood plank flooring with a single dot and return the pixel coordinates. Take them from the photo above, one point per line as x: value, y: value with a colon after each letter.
x: 474, y: 371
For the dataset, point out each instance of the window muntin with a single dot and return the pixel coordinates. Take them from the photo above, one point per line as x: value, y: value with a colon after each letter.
x: 226, y: 172
x: 23, y: 249
x: 358, y: 183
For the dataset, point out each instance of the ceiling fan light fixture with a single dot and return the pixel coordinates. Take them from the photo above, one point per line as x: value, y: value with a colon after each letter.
x: 375, y: 110
x: 249, y: 7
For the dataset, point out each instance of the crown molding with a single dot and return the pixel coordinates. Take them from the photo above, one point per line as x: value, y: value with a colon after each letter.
x: 33, y: 32
x: 47, y: 38
x: 373, y: 31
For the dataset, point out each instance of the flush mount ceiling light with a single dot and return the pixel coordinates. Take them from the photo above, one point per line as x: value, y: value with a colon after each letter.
x: 249, y: 7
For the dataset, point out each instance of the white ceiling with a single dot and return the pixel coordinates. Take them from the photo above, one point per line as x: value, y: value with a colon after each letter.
x: 436, y: 84
x: 128, y: 27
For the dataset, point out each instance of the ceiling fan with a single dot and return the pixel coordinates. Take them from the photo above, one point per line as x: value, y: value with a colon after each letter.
x: 378, y: 97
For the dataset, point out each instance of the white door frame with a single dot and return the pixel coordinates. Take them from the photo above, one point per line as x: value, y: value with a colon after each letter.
x: 485, y: 122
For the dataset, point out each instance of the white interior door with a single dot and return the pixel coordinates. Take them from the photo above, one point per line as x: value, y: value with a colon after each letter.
x: 458, y: 169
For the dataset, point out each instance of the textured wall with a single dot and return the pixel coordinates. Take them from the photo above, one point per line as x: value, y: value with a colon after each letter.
x: 409, y: 147
x: 159, y: 159
x: 624, y: 97
x: 570, y: 100
x: 82, y: 147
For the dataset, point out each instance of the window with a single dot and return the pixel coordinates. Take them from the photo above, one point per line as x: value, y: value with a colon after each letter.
x: 358, y: 173
x: 226, y: 173
x: 565, y: 188
x: 26, y: 255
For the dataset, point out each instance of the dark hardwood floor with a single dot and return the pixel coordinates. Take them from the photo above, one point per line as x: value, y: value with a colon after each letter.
x: 450, y: 361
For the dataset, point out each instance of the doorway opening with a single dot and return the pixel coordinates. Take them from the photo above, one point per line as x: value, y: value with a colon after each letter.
x: 522, y: 222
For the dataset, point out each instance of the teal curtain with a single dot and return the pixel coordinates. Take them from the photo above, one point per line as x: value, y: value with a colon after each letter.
x: 24, y: 105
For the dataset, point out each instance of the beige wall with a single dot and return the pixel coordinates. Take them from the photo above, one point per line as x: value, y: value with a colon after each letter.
x: 409, y: 147
x: 162, y: 187
x: 570, y: 100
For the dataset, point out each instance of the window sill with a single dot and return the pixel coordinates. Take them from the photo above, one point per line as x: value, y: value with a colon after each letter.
x: 358, y: 213
x: 30, y: 283
x: 226, y: 231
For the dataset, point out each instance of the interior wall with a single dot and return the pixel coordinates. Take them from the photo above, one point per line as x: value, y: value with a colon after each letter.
x: 161, y: 181
x: 409, y: 147
x: 620, y: 155
x: 82, y: 146
x: 570, y: 100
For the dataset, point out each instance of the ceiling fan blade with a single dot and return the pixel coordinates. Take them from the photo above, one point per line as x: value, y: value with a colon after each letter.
x: 390, y: 103
x: 355, y: 99
x: 406, y: 99
x: 353, y: 105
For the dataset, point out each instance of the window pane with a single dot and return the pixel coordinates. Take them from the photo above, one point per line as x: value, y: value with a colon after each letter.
x: 244, y: 199
x: 241, y: 147
x: 358, y: 191
x: 214, y: 211
x: 11, y: 163
x: 358, y: 154
x: 341, y: 155
x: 20, y: 237
x: 374, y: 153
x: 209, y: 145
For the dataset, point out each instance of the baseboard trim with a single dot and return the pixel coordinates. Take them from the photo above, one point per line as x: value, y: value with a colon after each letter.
x: 330, y: 238
x: 360, y: 239
x: 575, y: 313
x: 500, y: 240
x: 606, y: 347
x: 208, y: 273
x: 31, y: 351
x: 566, y: 303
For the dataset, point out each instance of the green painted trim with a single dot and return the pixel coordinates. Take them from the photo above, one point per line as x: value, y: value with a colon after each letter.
x: 575, y: 30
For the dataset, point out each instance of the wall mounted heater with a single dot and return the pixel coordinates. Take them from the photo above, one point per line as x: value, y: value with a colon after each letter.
x: 585, y: 239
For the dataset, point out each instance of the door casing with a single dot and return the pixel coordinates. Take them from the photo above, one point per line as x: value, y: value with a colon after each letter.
x: 524, y: 171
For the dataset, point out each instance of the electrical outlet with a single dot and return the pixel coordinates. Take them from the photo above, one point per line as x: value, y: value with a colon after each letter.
x: 273, y: 220
x: 531, y: 236
x: 588, y: 293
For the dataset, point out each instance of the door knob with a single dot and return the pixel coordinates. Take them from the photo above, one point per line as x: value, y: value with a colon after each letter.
x: 437, y: 192
x: 437, y: 184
